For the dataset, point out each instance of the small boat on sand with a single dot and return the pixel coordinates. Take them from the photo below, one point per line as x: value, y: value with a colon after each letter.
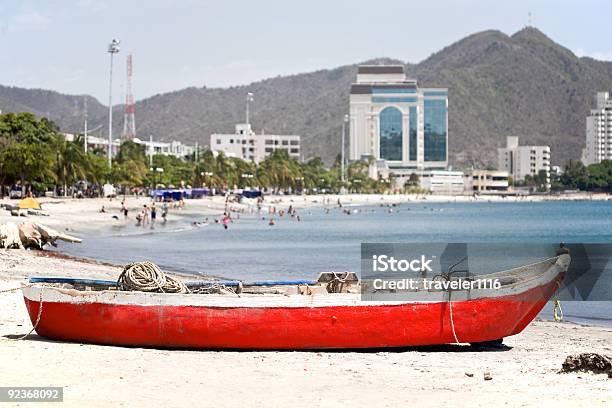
x: 328, y: 313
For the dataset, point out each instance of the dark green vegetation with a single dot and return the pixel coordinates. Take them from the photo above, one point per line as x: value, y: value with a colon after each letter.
x: 34, y: 154
x: 595, y: 177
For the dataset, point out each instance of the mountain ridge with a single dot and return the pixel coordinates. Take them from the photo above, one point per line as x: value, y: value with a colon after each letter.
x: 522, y: 84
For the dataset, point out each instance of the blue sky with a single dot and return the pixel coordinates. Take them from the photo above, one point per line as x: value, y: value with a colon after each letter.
x: 61, y: 44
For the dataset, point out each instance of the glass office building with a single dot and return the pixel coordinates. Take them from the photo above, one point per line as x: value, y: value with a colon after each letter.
x: 390, y: 134
x: 434, y: 140
x: 396, y: 122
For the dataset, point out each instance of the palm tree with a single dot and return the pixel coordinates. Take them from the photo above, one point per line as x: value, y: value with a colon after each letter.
x: 71, y: 162
x: 279, y: 171
x: 224, y: 170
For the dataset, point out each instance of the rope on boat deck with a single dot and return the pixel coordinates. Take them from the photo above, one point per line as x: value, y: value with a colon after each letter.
x: 148, y: 277
x: 337, y: 283
x: 218, y: 288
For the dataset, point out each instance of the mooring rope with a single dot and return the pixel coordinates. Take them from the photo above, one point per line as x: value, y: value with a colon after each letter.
x: 40, y: 308
x: 450, y: 307
x: 14, y: 289
x: 447, y: 277
x: 148, y: 277
x: 557, y: 311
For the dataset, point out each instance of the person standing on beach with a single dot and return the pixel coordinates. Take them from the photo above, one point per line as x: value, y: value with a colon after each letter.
x: 164, y: 213
x: 124, y: 209
x: 225, y: 220
x: 145, y: 215
x: 153, y: 213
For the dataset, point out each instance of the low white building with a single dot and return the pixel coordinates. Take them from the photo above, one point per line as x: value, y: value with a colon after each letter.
x: 521, y: 161
x: 173, y: 148
x: 488, y: 181
x: 443, y: 182
x: 599, y: 131
x: 247, y: 145
x: 94, y: 142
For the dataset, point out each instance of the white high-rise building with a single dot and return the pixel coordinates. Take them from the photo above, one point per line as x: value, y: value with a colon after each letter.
x: 403, y: 127
x: 599, y: 131
x: 521, y: 161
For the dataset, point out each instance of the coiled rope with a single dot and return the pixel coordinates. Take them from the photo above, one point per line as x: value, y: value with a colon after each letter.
x: 147, y: 277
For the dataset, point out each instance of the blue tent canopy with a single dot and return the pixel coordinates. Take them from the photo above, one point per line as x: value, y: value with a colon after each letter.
x: 179, y: 193
x: 251, y: 194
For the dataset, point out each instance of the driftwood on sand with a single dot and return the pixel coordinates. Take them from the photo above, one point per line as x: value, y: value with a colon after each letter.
x: 31, y: 235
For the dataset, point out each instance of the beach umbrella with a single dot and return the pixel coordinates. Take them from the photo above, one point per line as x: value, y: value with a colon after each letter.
x: 29, y: 203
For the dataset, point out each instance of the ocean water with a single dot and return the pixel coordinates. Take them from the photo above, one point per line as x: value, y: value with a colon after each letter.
x: 330, y: 240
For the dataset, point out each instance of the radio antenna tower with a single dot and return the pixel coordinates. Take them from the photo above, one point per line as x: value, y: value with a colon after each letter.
x: 129, y: 123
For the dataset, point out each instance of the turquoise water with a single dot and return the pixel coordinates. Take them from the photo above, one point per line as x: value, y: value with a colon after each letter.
x: 329, y: 239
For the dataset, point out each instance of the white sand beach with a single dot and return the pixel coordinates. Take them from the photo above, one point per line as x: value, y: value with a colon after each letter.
x: 93, y: 375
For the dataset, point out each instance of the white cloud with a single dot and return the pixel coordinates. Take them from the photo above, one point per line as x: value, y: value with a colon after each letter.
x: 91, y: 5
x: 28, y: 21
x: 598, y: 55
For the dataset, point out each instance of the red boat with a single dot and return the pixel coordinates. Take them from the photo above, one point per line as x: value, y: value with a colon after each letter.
x: 292, y: 316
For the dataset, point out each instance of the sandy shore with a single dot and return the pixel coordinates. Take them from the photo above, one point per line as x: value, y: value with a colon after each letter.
x: 76, y: 215
x: 524, y: 375
x: 83, y: 215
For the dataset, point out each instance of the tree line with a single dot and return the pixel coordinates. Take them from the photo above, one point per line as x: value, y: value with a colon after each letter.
x: 35, y: 155
x: 575, y: 176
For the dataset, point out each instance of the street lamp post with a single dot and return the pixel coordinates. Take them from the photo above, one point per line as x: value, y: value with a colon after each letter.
x: 159, y: 170
x: 113, y: 48
x: 301, y: 181
x: 246, y: 176
x: 85, y: 130
x: 205, y: 174
x: 344, y: 122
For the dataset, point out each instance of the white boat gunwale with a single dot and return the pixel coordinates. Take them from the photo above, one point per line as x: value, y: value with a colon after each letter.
x: 535, y: 279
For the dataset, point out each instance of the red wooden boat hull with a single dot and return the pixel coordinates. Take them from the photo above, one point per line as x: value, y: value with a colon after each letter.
x: 158, y: 324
